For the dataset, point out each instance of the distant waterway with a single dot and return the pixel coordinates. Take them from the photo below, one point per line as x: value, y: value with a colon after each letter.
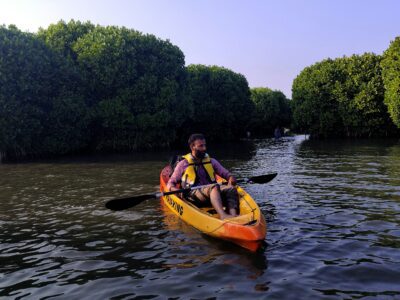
x: 333, y: 216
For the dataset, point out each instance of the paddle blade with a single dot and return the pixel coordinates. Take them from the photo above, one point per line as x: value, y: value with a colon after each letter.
x: 127, y: 202
x: 262, y: 178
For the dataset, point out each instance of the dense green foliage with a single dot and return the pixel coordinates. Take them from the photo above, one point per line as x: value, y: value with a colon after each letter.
x: 391, y: 78
x: 62, y: 36
x: 77, y: 87
x: 272, y: 110
x: 41, y: 109
x: 314, y: 105
x: 133, y: 83
x: 221, y: 101
x: 81, y: 87
x: 341, y: 97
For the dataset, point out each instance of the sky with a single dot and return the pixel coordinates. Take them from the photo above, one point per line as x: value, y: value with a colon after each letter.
x: 269, y: 42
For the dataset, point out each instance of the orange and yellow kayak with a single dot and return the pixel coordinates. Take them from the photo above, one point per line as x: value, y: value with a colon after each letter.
x: 247, y: 230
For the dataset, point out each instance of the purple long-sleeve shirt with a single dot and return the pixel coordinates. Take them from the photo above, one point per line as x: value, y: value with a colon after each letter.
x: 180, y: 168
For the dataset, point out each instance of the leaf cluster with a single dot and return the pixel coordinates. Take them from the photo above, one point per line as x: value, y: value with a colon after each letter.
x: 342, y: 97
x: 391, y: 78
x: 222, y: 107
x: 272, y: 110
x: 41, y: 108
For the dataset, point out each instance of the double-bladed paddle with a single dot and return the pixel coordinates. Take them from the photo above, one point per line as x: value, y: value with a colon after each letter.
x: 127, y: 202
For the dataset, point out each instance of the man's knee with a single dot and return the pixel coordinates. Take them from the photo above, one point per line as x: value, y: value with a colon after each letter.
x: 215, y: 188
x: 230, y: 191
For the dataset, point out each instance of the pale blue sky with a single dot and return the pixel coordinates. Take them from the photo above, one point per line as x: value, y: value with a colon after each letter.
x: 269, y: 42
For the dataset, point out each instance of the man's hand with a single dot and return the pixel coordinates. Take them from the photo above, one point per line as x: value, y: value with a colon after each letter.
x: 172, y: 188
x: 232, y: 180
x: 186, y: 193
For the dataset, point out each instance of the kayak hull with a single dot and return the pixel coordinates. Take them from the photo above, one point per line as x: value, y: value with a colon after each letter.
x: 247, y: 230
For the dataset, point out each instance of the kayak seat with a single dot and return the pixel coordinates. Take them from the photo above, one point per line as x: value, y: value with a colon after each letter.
x: 175, y: 159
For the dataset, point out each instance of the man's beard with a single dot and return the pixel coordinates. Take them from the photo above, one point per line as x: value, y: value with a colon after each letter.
x: 200, y: 154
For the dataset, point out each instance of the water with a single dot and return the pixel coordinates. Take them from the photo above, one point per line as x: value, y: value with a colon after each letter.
x: 333, y: 217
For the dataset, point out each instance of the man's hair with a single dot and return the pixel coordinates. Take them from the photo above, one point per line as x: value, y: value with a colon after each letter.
x: 194, y: 137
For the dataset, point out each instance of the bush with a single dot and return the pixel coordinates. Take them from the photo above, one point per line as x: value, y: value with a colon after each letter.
x: 221, y: 103
x: 391, y: 78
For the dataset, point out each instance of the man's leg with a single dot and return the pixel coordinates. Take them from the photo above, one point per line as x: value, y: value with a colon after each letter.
x: 213, y: 195
x: 231, y: 197
x: 216, y: 201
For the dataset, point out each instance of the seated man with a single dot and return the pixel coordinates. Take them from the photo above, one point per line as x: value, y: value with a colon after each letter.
x: 198, y: 168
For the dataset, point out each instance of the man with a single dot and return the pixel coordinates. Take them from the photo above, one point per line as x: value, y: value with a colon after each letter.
x: 197, y: 168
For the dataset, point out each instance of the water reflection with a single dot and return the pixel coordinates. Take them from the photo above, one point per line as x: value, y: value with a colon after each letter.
x: 197, y: 249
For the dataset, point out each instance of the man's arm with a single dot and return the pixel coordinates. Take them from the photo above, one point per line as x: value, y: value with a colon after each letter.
x: 176, y: 175
x: 221, y: 171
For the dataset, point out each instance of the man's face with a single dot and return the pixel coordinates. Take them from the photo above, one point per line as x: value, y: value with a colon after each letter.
x: 199, y: 148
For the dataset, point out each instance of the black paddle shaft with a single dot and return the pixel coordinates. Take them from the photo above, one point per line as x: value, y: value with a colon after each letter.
x: 128, y: 202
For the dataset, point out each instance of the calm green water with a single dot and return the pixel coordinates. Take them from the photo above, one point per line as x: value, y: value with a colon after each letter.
x: 333, y: 217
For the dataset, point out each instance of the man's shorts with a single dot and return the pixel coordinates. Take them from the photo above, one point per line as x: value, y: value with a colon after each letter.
x: 229, y: 195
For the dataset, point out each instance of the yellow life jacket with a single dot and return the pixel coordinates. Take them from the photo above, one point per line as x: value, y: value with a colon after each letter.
x: 189, y: 176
